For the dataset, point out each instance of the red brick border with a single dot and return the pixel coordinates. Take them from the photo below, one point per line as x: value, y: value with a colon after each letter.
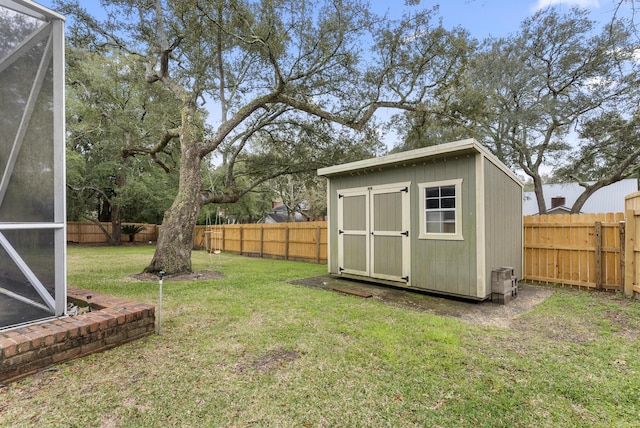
x: 113, y: 321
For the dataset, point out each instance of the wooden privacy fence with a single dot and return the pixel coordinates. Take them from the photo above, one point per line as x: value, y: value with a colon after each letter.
x: 585, y: 250
x: 632, y: 246
x: 90, y: 233
x: 305, y: 241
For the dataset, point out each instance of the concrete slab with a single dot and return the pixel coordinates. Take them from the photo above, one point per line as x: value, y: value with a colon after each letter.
x: 483, y: 313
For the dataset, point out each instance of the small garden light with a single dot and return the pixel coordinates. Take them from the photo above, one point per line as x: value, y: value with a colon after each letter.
x: 160, y: 276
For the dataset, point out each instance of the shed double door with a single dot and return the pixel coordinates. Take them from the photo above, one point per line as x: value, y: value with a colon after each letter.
x: 373, y: 232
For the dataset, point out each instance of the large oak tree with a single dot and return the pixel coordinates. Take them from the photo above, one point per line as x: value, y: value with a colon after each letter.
x: 269, y: 71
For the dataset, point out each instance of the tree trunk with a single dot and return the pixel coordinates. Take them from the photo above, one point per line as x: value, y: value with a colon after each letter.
x: 116, y: 231
x: 175, y: 241
x: 116, y: 213
x: 586, y: 194
x: 537, y: 187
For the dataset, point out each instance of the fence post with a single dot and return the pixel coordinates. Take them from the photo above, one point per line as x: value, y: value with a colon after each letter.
x: 240, y: 240
x: 222, y: 239
x: 261, y: 241
x: 629, y: 268
x: 318, y: 244
x: 286, y: 242
x: 621, y: 230
x: 598, y: 238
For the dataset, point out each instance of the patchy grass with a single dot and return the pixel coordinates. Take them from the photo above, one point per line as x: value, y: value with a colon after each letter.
x: 251, y: 349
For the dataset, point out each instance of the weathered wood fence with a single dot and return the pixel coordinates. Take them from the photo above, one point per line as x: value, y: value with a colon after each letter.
x: 90, y: 233
x: 306, y: 241
x: 585, y: 250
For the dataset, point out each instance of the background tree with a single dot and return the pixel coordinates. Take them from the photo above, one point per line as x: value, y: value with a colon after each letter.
x: 109, y: 108
x: 609, y: 152
x: 267, y: 65
x: 522, y: 96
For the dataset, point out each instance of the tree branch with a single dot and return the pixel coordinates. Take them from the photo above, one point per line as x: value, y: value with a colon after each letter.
x: 153, y: 151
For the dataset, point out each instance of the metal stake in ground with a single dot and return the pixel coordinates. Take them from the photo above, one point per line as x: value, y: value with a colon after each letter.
x: 160, y: 275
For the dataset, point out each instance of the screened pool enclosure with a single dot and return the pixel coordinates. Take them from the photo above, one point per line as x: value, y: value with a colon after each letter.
x: 32, y: 197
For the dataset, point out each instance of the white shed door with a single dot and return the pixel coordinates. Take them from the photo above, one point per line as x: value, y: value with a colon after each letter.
x: 373, y: 232
x: 353, y: 231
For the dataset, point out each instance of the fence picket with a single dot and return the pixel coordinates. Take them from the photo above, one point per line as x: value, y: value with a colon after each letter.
x: 563, y: 249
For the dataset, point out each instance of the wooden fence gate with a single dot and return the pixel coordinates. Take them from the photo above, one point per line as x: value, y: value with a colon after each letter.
x: 632, y: 245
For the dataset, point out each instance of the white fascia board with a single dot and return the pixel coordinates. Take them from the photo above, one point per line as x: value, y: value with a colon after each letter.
x: 422, y: 153
x: 395, y: 158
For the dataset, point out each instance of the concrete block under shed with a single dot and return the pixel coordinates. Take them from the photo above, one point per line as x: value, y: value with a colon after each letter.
x: 504, y: 285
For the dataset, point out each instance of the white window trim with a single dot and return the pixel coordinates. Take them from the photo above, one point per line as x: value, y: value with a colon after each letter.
x: 442, y: 236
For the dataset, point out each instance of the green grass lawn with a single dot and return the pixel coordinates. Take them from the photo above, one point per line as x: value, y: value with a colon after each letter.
x: 254, y: 350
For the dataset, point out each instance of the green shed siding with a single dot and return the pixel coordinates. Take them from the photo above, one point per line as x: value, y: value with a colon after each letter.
x: 437, y: 265
x: 442, y: 265
x: 503, y: 222
x: 490, y: 217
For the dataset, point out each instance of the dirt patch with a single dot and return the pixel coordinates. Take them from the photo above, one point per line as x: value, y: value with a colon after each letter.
x: 271, y: 361
x: 480, y: 313
x: 198, y: 275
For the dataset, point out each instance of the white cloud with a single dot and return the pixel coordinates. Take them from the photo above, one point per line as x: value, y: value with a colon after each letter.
x: 541, y: 4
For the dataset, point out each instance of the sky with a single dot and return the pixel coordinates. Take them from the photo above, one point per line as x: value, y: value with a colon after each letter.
x: 483, y: 18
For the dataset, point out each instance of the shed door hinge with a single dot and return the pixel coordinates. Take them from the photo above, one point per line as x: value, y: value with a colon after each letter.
x: 405, y: 190
x: 340, y: 232
x: 405, y: 233
x: 405, y: 278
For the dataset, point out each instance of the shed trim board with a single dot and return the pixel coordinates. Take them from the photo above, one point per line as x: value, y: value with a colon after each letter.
x: 480, y: 229
x: 454, y: 261
x: 425, y: 152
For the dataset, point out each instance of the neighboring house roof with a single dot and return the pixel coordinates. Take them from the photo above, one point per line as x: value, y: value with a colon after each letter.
x: 279, y: 214
x: 609, y: 199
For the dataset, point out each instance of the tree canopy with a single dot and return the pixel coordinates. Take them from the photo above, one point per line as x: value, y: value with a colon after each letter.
x: 285, y: 74
x: 525, y: 95
x: 108, y: 109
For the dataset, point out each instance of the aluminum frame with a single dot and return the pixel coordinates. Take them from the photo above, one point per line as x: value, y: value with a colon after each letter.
x: 52, y: 29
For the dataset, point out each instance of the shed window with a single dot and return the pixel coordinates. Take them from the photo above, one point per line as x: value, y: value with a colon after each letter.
x: 440, y: 210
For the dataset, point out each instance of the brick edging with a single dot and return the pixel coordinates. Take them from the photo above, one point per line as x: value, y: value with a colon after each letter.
x: 112, y: 322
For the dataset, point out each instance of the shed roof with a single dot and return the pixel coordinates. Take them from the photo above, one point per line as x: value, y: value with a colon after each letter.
x: 457, y: 147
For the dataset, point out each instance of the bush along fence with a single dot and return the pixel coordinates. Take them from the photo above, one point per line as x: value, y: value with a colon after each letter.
x: 91, y: 233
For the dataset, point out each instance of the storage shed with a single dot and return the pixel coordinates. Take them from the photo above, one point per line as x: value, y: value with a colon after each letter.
x: 438, y: 219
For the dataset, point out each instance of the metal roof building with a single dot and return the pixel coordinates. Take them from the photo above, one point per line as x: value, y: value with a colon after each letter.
x: 559, y: 198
